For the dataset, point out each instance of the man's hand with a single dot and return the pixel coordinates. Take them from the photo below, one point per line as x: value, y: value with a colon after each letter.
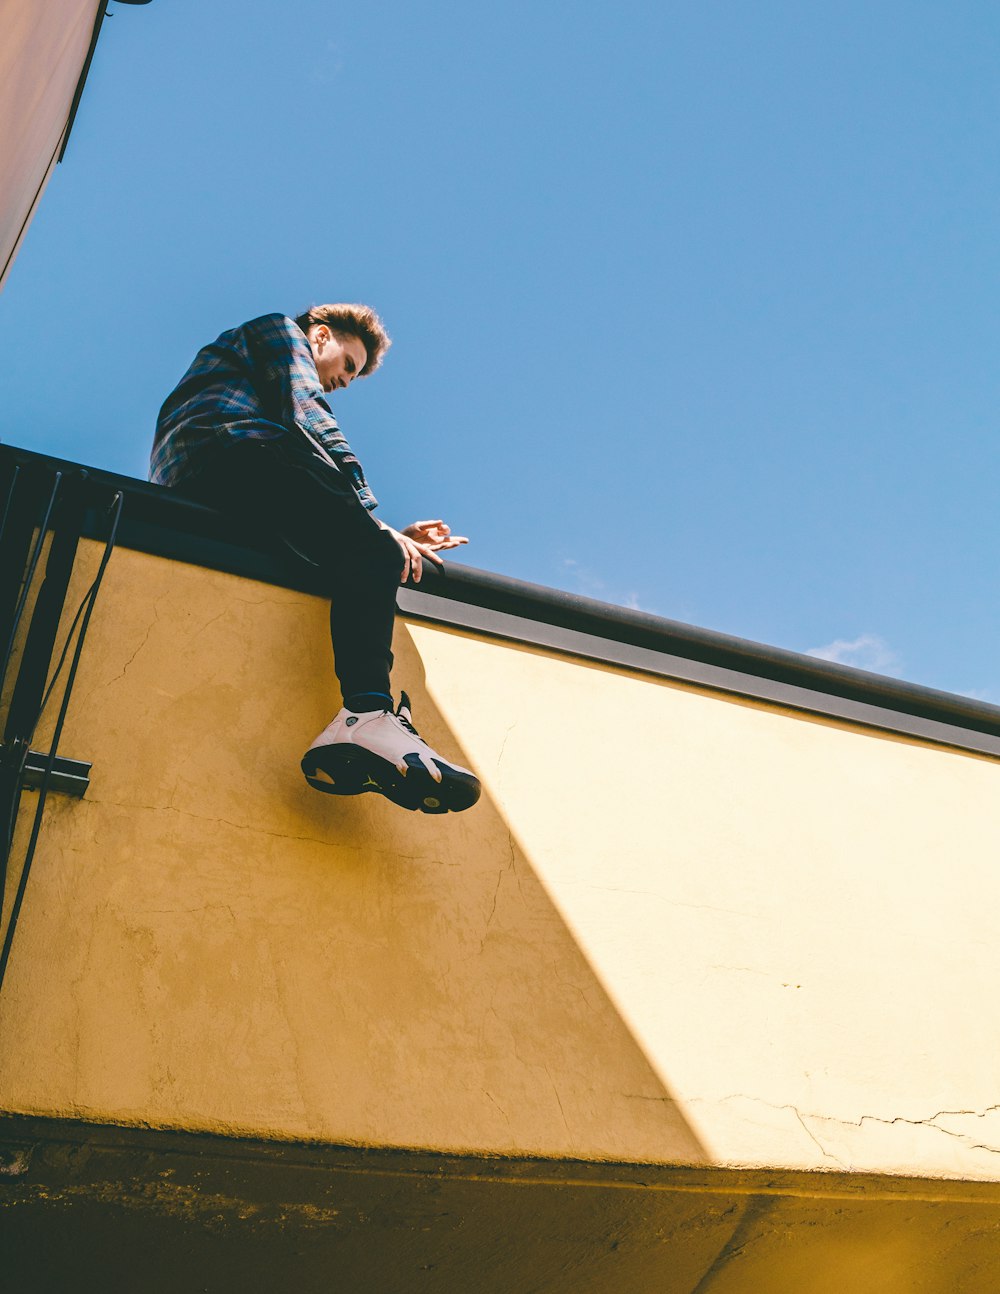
x: 421, y: 540
x: 434, y: 534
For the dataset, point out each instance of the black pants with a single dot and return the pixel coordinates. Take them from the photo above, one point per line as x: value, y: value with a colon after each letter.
x: 281, y: 489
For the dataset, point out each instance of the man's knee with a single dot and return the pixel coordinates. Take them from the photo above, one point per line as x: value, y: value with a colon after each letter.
x: 391, y: 556
x: 377, y: 556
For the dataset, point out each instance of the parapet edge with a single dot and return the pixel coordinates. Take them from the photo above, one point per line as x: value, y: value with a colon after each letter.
x: 158, y: 521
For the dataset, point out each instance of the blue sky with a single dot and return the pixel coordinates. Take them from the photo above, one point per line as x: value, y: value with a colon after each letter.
x: 695, y: 305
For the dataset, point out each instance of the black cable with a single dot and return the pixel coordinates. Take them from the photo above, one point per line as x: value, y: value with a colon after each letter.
x: 43, y: 789
x: 66, y: 645
x: 10, y: 498
x: 30, y: 575
x: 62, y: 661
x: 13, y: 754
x: 41, y: 709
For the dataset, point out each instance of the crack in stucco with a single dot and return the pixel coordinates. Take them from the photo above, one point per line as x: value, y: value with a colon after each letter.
x: 204, y: 907
x: 201, y: 629
x: 240, y: 826
x: 265, y: 602
x: 503, y: 744
x: 492, y: 911
x: 533, y: 1066
x: 493, y: 1101
x: 816, y: 1141
x: 146, y: 636
x: 509, y: 867
x: 156, y: 618
x: 512, y: 865
x: 555, y: 1092
x: 930, y: 1121
x: 340, y: 846
x: 576, y: 988
x: 125, y: 667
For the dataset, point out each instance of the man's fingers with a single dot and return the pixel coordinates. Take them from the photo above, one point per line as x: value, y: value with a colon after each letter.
x: 420, y: 552
x: 415, y: 552
x: 423, y: 532
x: 433, y: 533
x: 412, y: 562
x: 452, y: 541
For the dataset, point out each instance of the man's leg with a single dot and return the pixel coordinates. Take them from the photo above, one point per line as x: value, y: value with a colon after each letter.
x: 363, y: 581
x: 280, y: 490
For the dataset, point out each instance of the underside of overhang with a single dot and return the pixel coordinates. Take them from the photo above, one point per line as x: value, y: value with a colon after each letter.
x: 86, y: 1206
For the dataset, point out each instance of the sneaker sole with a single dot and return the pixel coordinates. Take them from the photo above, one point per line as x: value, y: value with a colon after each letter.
x: 343, y: 769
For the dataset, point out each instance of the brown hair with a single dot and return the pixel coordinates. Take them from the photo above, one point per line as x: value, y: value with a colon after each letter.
x: 355, y: 321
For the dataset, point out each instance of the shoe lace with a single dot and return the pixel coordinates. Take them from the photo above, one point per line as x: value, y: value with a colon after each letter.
x: 403, y: 715
x: 406, y: 724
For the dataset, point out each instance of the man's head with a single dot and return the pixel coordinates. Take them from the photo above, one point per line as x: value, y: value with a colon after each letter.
x: 347, y: 341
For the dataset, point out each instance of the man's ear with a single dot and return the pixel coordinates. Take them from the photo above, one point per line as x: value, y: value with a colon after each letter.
x: 322, y: 335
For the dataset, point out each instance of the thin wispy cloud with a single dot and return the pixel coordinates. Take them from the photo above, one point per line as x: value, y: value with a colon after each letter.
x: 330, y: 66
x: 593, y: 585
x: 867, y: 651
x: 991, y: 695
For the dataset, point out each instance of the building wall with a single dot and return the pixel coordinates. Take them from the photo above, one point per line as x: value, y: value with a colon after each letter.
x: 679, y: 927
x: 42, y: 53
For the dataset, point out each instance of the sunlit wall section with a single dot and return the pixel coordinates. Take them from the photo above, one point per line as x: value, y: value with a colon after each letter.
x: 793, y: 916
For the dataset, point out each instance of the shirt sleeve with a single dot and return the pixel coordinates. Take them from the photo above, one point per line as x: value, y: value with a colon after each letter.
x: 283, y: 358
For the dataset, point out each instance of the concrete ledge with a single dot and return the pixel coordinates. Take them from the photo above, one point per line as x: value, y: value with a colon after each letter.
x: 157, y: 521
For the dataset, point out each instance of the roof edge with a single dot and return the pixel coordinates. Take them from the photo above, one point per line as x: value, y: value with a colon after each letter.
x: 158, y: 521
x: 102, y: 13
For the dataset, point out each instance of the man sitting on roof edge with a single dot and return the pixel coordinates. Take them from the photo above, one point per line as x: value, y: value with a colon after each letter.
x: 247, y: 430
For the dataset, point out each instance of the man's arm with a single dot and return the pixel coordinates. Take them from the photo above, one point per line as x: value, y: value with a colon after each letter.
x: 284, y: 359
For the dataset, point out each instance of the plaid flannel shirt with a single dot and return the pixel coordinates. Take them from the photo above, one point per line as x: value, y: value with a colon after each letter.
x: 256, y: 382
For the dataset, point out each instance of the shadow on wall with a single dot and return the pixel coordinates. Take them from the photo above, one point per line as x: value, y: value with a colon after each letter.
x: 484, y: 976
x: 217, y: 946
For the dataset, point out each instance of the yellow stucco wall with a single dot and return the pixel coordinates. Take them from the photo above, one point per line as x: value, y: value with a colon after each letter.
x: 679, y: 927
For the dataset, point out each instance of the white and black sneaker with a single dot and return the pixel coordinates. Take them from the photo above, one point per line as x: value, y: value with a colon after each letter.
x: 381, y: 751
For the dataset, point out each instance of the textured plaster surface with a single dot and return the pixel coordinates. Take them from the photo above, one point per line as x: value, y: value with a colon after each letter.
x: 793, y: 916
x: 208, y: 943
x: 678, y: 928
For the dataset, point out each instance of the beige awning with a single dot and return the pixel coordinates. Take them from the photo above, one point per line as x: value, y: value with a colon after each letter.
x: 42, y: 57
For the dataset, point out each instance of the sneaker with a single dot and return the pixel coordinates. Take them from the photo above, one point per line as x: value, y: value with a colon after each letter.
x: 382, y: 751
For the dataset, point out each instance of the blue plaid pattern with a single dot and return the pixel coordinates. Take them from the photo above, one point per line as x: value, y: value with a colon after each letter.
x: 255, y: 382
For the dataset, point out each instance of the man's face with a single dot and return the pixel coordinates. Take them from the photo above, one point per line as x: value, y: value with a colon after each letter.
x: 339, y: 356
